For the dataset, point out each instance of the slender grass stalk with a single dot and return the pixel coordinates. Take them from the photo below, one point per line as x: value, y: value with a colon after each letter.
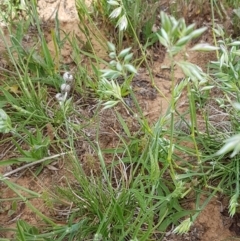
x: 213, y: 26
x: 194, y: 128
x: 172, y: 113
x: 32, y: 164
x: 144, y: 57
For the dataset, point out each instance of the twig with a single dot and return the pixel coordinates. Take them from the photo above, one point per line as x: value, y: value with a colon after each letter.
x: 34, y: 163
x: 8, y: 71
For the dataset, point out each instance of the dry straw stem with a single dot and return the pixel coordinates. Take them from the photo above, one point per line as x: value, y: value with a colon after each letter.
x: 34, y: 163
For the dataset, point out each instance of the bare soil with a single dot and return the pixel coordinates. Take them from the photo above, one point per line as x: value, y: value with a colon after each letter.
x: 213, y: 223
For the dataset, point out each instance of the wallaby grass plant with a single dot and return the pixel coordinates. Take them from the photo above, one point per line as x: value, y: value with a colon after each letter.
x: 138, y: 195
x: 132, y: 22
x: 133, y: 18
x: 226, y: 72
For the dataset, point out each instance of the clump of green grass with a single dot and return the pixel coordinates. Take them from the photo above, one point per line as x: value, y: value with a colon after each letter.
x: 131, y: 20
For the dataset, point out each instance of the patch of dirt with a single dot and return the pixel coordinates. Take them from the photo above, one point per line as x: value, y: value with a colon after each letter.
x: 211, y: 223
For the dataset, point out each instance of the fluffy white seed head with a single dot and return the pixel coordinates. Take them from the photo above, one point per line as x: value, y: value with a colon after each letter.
x: 68, y: 78
x: 59, y: 96
x: 65, y: 88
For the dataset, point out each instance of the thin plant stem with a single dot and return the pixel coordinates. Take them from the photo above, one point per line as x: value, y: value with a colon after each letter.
x: 194, y: 127
x: 172, y: 112
x: 146, y: 62
x: 213, y: 26
x: 34, y: 163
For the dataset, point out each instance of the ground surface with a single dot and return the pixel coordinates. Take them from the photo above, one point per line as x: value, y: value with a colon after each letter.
x: 212, y: 225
